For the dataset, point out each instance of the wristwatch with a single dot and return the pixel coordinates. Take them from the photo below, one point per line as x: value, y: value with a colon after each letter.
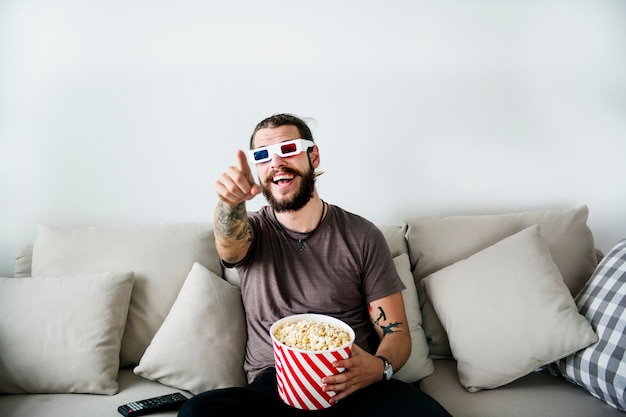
x: 388, y: 371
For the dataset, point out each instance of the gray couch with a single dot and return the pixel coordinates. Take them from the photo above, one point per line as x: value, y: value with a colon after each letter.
x: 158, y: 314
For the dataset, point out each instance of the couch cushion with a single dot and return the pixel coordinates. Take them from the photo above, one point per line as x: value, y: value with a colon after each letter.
x: 23, y: 262
x: 62, y: 334
x: 395, y: 236
x: 161, y: 255
x: 601, y: 368
x: 202, y: 342
x: 535, y: 395
x: 419, y: 363
x: 132, y: 388
x: 435, y: 243
x: 507, y: 311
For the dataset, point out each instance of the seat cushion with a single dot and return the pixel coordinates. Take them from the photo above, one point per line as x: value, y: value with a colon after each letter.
x: 131, y: 388
x: 535, y: 395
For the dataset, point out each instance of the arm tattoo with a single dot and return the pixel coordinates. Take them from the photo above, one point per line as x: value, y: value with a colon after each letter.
x: 231, y: 223
x: 386, y: 328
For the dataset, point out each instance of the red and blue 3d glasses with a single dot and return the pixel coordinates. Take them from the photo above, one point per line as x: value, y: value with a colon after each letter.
x: 283, y: 149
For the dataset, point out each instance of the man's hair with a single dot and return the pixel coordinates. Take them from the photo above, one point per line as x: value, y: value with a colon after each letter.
x: 283, y: 119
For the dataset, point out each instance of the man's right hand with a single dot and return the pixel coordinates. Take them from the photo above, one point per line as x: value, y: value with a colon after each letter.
x: 236, y: 185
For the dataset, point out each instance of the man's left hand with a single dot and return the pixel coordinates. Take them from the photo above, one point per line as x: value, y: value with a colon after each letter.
x: 361, y: 369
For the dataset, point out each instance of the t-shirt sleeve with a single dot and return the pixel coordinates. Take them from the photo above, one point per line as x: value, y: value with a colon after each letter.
x: 380, y: 278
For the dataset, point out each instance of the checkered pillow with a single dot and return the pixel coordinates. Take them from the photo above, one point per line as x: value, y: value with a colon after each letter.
x: 601, y: 367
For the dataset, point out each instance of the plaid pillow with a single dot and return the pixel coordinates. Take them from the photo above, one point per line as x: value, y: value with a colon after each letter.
x: 601, y: 367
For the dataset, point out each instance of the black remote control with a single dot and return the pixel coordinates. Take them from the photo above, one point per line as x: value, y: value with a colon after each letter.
x: 152, y: 405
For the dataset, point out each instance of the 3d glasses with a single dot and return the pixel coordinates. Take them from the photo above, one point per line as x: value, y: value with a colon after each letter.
x: 283, y: 149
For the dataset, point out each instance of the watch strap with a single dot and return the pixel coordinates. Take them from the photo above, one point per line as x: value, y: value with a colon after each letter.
x: 388, y: 369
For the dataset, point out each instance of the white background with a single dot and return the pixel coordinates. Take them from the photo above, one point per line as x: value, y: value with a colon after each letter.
x: 127, y: 111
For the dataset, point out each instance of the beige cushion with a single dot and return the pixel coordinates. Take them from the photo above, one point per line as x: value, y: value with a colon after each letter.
x: 507, y: 311
x: 395, y: 236
x: 201, y: 344
x: 538, y: 394
x: 132, y: 388
x: 161, y: 256
x: 419, y: 364
x: 435, y: 243
x: 62, y: 334
x: 23, y: 261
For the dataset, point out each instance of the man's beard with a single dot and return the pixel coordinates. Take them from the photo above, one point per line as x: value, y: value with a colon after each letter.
x: 302, y: 196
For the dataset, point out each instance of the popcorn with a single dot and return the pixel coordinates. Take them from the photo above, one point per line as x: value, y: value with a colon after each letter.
x: 311, y: 335
x: 305, y: 348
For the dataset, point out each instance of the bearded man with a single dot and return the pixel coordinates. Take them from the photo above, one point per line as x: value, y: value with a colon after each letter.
x: 300, y: 254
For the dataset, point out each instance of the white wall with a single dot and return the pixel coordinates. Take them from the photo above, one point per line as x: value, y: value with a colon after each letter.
x: 126, y: 111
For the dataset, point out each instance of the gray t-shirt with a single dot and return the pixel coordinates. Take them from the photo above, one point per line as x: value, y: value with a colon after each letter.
x: 346, y: 263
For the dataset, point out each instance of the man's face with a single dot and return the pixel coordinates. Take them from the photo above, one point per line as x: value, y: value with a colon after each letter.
x: 288, y: 182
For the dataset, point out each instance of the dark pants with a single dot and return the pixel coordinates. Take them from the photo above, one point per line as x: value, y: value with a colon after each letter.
x: 260, y: 399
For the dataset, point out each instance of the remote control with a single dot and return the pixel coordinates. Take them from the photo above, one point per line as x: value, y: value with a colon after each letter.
x: 152, y: 405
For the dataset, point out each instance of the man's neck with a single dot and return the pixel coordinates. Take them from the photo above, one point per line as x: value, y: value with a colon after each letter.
x: 304, y: 220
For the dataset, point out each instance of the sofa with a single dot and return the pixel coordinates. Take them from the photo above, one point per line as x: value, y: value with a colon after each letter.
x: 508, y: 313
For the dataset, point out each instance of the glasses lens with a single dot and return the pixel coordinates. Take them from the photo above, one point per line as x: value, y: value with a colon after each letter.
x: 288, y: 148
x: 262, y: 154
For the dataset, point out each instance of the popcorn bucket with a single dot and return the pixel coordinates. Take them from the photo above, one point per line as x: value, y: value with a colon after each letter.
x: 299, y: 371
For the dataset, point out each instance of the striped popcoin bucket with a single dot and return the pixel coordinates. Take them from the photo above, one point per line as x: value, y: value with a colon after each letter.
x: 299, y: 372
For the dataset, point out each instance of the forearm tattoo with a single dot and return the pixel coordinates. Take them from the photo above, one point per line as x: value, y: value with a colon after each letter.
x: 231, y: 223
x: 384, y: 325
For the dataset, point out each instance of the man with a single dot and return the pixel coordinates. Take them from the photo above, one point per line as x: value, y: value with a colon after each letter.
x: 300, y: 254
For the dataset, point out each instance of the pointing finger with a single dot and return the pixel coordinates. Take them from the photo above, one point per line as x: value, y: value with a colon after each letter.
x: 243, y: 166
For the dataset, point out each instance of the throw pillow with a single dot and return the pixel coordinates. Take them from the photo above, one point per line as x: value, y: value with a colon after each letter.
x: 159, y: 254
x: 23, y: 261
x: 419, y: 364
x: 62, y: 334
x: 601, y: 367
x: 201, y: 344
x: 507, y: 311
x: 395, y: 236
x: 435, y: 243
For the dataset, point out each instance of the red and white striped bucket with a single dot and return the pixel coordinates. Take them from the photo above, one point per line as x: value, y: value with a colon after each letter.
x: 300, y: 372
